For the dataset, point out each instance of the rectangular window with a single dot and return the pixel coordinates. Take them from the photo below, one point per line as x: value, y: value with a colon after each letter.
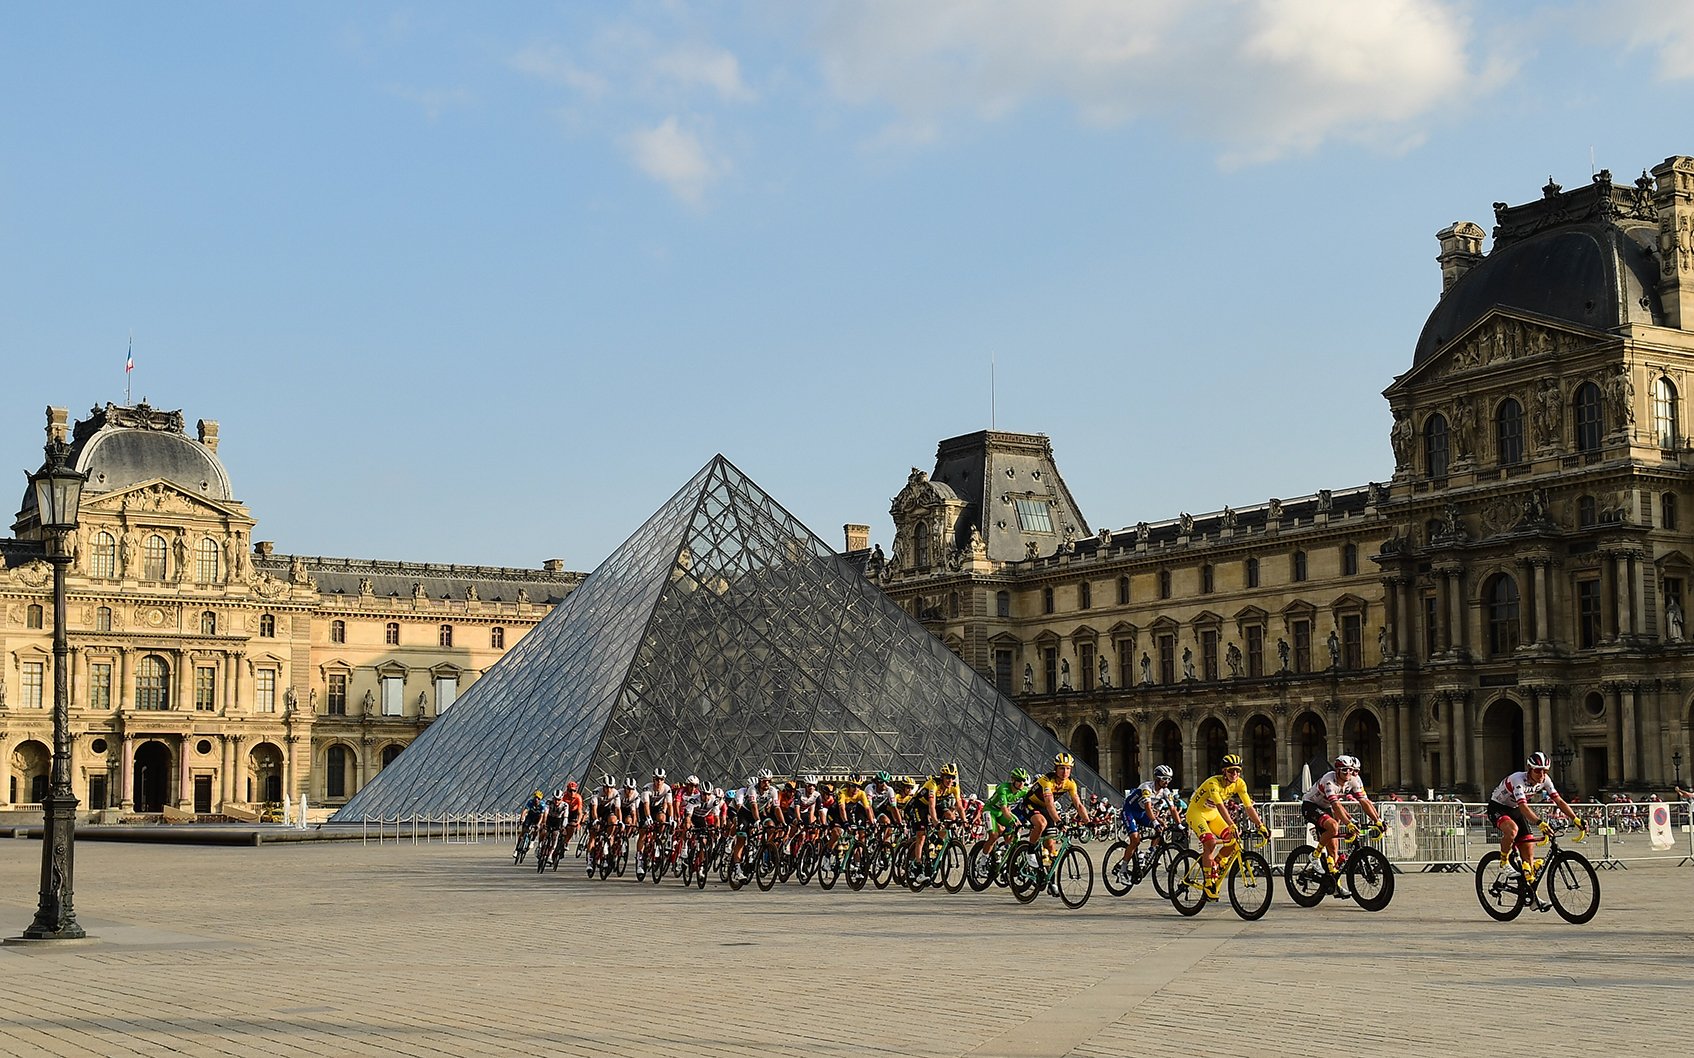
x: 1255, y: 650
x: 1034, y: 516
x: 1003, y: 671
x: 1209, y: 653
x: 100, y: 685
x: 1085, y: 658
x: 391, y: 633
x: 446, y: 690
x: 393, y: 695
x: 1589, y: 627
x: 1431, y: 628
x: 1084, y: 595
x: 1302, y: 646
x: 264, y: 690
x: 205, y: 688
x: 338, y: 694
x: 1050, y: 668
x: 34, y: 673
x: 1126, y: 663
x: 1167, y: 658
x: 1352, y: 641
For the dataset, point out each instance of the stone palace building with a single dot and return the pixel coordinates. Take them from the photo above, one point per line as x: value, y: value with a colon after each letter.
x: 210, y: 674
x: 1518, y: 581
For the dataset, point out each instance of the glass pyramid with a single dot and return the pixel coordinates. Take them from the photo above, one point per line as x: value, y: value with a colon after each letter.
x: 721, y: 638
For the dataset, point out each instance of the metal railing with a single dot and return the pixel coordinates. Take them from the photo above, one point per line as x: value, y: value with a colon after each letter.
x: 467, y: 828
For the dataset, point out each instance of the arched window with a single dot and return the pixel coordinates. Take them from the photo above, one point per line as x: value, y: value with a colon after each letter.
x: 1590, y: 422
x: 335, y: 785
x: 103, y: 619
x: 338, y: 631
x: 446, y: 636
x: 1667, y: 510
x: 1435, y: 446
x: 1046, y: 600
x: 208, y: 623
x: 1299, y: 570
x: 1350, y: 560
x: 1252, y: 573
x: 1123, y: 591
x: 206, y: 561
x: 921, y: 550
x: 105, y: 559
x: 1002, y: 604
x: 497, y: 638
x: 33, y: 615
x: 153, y: 558
x: 1206, y: 582
x: 1508, y: 432
x: 391, y: 633
x: 389, y: 752
x: 153, y: 683
x: 1665, y: 413
x: 1500, y: 595
x: 267, y: 626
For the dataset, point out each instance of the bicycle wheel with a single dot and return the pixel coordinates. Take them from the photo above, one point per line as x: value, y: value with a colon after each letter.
x: 1163, y: 859
x: 1251, y: 886
x: 917, y: 870
x: 858, y: 867
x: 1573, y: 886
x: 702, y: 868
x: 953, y: 867
x: 1371, y: 878
x: 1075, y: 875
x: 1117, y: 869
x: 767, y: 865
x: 829, y: 868
x: 1186, y: 883
x: 1303, y: 877
x: 810, y: 857
x: 979, y: 867
x: 882, y: 867
x: 1023, y: 872
x: 736, y: 867
x: 1501, y: 897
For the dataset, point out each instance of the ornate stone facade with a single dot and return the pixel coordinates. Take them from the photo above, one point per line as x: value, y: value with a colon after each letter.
x: 1518, y: 583
x: 209, y: 674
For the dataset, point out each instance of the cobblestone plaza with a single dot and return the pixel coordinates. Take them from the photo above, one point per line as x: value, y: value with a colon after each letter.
x: 430, y: 950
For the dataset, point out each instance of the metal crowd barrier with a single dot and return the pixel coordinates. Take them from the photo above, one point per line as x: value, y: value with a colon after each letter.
x: 1452, y: 836
x: 469, y: 828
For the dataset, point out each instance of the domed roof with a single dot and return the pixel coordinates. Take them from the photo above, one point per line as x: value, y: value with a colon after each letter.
x: 1584, y: 256
x: 118, y: 447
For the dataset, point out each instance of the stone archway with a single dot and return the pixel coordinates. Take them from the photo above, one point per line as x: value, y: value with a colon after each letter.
x: 264, y: 774
x: 1258, y: 749
x: 152, y: 776
x: 1213, y: 740
x: 1126, y: 755
x: 1167, y: 748
x: 1310, y: 737
x: 1085, y: 744
x: 1502, y: 740
x: 1362, y: 735
x: 32, y: 766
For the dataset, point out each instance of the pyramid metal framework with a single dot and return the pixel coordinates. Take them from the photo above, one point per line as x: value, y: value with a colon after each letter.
x: 721, y: 638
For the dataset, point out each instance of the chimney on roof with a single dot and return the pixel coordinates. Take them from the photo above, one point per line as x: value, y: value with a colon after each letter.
x: 264, y: 548
x: 1673, y: 200
x: 208, y: 434
x: 56, y: 428
x: 1461, y: 251
x: 554, y: 565
x: 858, y: 537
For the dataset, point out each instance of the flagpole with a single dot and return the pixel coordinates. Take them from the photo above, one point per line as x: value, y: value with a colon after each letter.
x: 992, y: 424
x: 129, y: 367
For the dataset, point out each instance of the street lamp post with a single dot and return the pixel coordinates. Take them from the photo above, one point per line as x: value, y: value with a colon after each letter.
x: 58, y: 494
x: 1676, y: 762
x: 1563, y: 755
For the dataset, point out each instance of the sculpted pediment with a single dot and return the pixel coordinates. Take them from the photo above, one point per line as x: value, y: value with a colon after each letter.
x: 160, y: 497
x: 1501, y: 337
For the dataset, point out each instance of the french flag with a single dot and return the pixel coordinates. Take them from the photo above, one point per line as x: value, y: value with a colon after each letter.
x: 129, y: 360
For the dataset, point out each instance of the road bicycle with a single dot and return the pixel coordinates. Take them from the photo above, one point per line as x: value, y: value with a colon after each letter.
x: 1158, y: 850
x: 525, y: 840
x: 1246, y: 874
x: 1069, y: 874
x: 1310, y: 875
x: 1564, y: 877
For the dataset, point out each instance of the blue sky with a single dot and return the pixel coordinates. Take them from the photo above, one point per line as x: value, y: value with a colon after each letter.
x: 486, y: 284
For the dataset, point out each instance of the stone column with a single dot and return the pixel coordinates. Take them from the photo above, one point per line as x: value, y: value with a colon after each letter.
x: 225, y: 771
x: 1619, y: 567
x: 289, y: 786
x: 1393, y: 588
x: 126, y: 766
x: 238, y: 664
x: 1614, y: 731
x: 1408, y: 644
x: 1543, y: 631
x: 5, y: 771
x: 1456, y: 641
x: 126, y: 689
x: 238, y: 777
x: 1286, y: 772
x: 228, y: 677
x: 1638, y: 567
x: 1459, y: 733
x: 1390, y: 743
x: 1546, y: 739
x: 1443, y: 612
x: 1629, y: 743
x: 184, y: 799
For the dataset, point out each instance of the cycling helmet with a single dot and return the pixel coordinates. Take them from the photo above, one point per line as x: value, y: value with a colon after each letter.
x: 658, y: 773
x: 764, y: 775
x: 1020, y: 775
x: 1164, y: 772
x: 883, y: 778
x: 692, y: 780
x: 950, y: 771
x: 808, y: 780
x: 1232, y: 760
x: 570, y: 787
x: 538, y: 793
x: 1063, y: 760
x: 1538, y: 761
x: 560, y: 792
x: 717, y: 791
x: 629, y: 783
x: 608, y: 782
x: 1345, y: 761
x: 851, y: 780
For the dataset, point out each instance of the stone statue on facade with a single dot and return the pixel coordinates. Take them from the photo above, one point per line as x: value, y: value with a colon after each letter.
x: 1373, y: 494
x: 1185, y: 524
x: 1403, y: 436
x: 367, y: 701
x: 1146, y: 670
x: 470, y: 593
x: 1064, y: 674
x: 1232, y: 658
x: 1187, y: 663
x: 978, y: 546
x: 875, y: 563
x: 1067, y: 540
x: 1029, y: 679
x: 1228, y: 519
x: 1282, y: 654
x: 1382, y: 645
x: 1273, y: 511
x: 418, y: 593
x: 1620, y: 398
x: 1326, y: 501
x: 1673, y: 621
x: 312, y: 700
x: 523, y: 594
x: 1031, y: 551
x: 179, y: 550
x: 1464, y: 427
x: 367, y: 586
x: 1548, y: 413
x: 1334, y: 645
x: 126, y: 552
x: 1105, y: 672
x: 297, y: 571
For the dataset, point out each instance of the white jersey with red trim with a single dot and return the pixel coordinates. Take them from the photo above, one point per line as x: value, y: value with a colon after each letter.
x: 1328, y: 790
x: 1515, y: 789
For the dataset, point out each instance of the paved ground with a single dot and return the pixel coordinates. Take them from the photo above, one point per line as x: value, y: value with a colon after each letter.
x: 337, y: 949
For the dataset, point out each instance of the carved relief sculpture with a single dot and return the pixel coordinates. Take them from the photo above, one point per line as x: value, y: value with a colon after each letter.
x: 1548, y: 414
x: 1620, y: 398
x: 1403, y: 435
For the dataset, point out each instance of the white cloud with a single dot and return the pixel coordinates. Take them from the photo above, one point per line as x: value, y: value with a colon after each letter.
x: 1263, y: 78
x: 709, y: 67
x: 550, y: 63
x: 676, y: 158
x: 1664, y: 27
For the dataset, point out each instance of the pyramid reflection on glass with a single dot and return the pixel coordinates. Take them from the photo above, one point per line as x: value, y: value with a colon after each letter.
x: 721, y: 638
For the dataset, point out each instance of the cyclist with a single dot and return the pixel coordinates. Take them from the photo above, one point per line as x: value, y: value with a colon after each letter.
x: 754, y: 804
x: 653, y: 812
x: 1509, y: 811
x: 571, y: 805
x: 1000, y: 806
x: 852, y: 807
x: 533, y: 810
x: 808, y: 802
x: 1206, y: 814
x: 1043, y: 797
x: 1147, y: 805
x: 1325, y: 797
x: 884, y: 799
x: 553, y: 820
x: 605, y: 812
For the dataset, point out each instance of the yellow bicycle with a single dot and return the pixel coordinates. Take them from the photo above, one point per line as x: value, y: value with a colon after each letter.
x: 1246, y: 874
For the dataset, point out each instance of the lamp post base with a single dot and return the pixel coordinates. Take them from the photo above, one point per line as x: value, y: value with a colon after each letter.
x: 55, y: 916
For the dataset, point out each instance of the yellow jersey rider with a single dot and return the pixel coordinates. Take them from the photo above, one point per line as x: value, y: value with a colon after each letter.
x: 1043, y: 800
x: 1206, y: 812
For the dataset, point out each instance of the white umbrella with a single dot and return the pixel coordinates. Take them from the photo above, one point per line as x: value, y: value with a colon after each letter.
x: 1306, y: 784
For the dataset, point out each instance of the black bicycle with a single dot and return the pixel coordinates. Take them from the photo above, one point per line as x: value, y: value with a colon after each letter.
x: 1310, y: 875
x: 1565, y: 878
